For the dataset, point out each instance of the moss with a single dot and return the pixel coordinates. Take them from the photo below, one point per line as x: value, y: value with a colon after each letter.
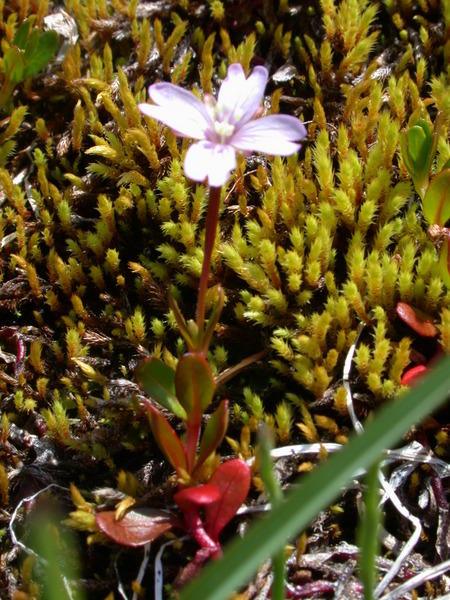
x: 98, y: 222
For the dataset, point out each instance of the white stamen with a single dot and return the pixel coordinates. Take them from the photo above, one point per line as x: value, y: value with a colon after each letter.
x: 224, y: 129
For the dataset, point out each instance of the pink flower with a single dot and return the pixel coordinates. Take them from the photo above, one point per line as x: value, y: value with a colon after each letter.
x: 225, y: 125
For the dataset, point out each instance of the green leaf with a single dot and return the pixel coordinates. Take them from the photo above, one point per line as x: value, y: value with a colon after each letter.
x: 420, y: 142
x: 167, y: 440
x: 21, y: 37
x: 39, y: 50
x: 318, y: 489
x: 215, y: 430
x: 436, y: 203
x: 31, y: 45
x: 13, y: 65
x: 418, y: 149
x: 194, y: 385
x: 158, y: 380
x: 405, y: 154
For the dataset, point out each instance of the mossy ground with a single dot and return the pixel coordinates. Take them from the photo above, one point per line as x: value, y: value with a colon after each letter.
x: 98, y: 225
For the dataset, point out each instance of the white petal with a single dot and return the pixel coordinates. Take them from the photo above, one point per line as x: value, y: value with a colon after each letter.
x: 240, y: 97
x: 177, y: 108
x: 274, y: 134
x: 231, y: 86
x: 208, y: 160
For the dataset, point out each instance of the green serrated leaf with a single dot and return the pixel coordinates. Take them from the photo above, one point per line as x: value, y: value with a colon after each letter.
x: 39, y: 50
x: 14, y: 65
x: 21, y: 37
x: 158, y: 380
x: 436, y: 203
x: 5, y: 150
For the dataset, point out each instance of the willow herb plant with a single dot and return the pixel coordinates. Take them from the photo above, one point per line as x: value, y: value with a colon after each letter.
x: 418, y: 145
x: 222, y: 127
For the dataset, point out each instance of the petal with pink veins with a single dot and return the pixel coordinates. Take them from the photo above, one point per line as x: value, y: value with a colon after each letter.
x: 275, y: 134
x: 241, y: 97
x: 177, y: 108
x: 206, y: 159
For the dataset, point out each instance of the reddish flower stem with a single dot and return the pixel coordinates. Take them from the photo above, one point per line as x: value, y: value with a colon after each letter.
x: 212, y: 219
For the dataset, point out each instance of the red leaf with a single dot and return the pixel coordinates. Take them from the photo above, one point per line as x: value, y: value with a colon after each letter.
x: 412, y: 376
x: 416, y: 319
x: 167, y: 439
x: 197, y: 496
x: 233, y: 479
x: 138, y: 527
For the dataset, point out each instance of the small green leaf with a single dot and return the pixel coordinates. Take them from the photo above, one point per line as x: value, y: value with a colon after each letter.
x: 13, y: 65
x: 405, y: 153
x: 421, y: 146
x: 215, y: 430
x: 416, y: 140
x: 39, y: 50
x: 436, y: 203
x: 21, y: 37
x: 194, y: 384
x: 167, y: 440
x: 418, y: 152
x: 158, y: 380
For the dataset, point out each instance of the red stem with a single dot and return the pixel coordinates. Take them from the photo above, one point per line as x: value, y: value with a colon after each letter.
x: 190, y: 445
x: 196, y: 529
x: 212, y: 219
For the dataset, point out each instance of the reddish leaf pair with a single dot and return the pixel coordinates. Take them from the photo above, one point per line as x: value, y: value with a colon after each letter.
x: 187, y: 392
x: 219, y: 499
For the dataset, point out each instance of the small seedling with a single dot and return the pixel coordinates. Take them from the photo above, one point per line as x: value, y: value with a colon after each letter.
x: 30, y: 52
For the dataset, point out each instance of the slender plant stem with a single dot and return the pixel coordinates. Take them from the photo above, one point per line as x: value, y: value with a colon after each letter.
x: 190, y: 445
x: 212, y: 219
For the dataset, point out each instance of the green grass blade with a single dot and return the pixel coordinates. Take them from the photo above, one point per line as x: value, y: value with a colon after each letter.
x: 275, y: 493
x: 368, y: 540
x: 318, y: 490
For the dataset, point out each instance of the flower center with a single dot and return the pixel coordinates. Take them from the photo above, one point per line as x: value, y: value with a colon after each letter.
x: 224, y: 130
x: 222, y: 117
